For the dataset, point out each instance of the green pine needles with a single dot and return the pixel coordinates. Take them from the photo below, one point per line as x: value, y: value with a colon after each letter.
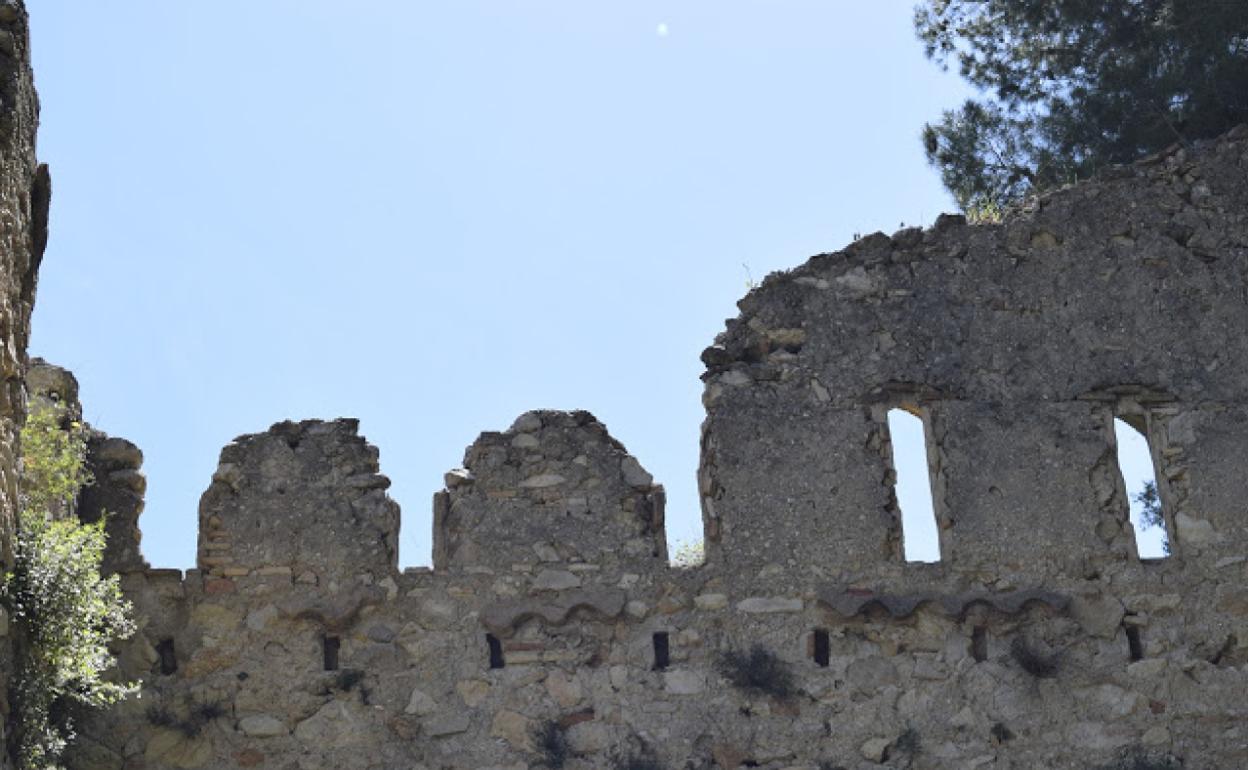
x: 1067, y: 87
x: 66, y: 613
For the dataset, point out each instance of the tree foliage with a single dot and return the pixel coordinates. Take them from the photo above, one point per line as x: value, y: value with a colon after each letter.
x: 1070, y: 86
x: 689, y: 553
x: 1151, y: 515
x: 54, y: 460
x: 65, y: 611
x: 1150, y: 505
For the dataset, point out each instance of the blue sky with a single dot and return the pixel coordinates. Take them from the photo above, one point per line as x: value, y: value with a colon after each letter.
x: 436, y: 216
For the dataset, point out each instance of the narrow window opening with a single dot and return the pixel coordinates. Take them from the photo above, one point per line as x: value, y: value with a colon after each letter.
x: 979, y: 644
x: 168, y: 657
x: 913, y: 488
x: 1135, y: 463
x: 1134, y: 644
x: 823, y: 648
x: 662, y: 653
x: 496, y: 651
x: 329, y: 651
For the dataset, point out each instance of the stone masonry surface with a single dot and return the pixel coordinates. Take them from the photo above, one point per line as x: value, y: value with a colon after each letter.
x: 551, y: 632
x: 25, y: 191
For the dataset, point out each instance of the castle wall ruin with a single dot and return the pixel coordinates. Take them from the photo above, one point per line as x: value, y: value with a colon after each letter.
x: 552, y: 632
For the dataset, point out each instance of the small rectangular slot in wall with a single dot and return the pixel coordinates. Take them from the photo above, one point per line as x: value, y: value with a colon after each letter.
x: 662, y: 653
x: 822, y: 652
x: 1134, y: 644
x: 979, y: 644
x: 168, y: 657
x: 496, y: 651
x: 919, y: 534
x: 329, y: 650
x: 1135, y: 463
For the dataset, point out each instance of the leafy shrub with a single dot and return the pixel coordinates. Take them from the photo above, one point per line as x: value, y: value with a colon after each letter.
x: 66, y: 613
x: 551, y: 742
x: 689, y: 553
x: 1031, y: 660
x: 54, y: 460
x: 984, y: 211
x: 758, y: 671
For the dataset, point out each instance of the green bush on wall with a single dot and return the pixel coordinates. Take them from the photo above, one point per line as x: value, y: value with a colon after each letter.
x: 65, y: 612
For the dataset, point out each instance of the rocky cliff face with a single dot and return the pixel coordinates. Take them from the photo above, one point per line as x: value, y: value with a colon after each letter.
x: 25, y: 191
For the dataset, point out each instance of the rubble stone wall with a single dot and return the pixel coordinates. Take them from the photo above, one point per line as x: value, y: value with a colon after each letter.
x: 552, y: 633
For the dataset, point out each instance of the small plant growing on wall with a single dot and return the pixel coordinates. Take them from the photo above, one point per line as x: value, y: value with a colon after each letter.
x: 908, y: 743
x: 758, y: 672
x: 551, y: 741
x: 1135, y: 758
x: 198, y: 716
x: 348, y: 679
x: 641, y: 758
x: 906, y: 747
x: 1031, y: 660
x: 689, y: 554
x: 637, y: 762
x: 65, y: 612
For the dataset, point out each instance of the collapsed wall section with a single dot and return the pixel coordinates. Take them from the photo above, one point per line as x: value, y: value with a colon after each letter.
x: 1018, y: 342
x: 116, y: 496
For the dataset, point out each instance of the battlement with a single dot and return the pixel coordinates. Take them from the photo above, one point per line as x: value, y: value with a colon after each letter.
x: 305, y: 500
x: 1017, y: 344
x: 554, y: 489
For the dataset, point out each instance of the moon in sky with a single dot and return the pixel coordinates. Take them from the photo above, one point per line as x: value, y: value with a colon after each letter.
x: 662, y: 29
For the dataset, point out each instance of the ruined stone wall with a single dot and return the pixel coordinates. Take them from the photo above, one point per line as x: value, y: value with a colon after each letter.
x: 1017, y: 344
x: 551, y: 632
x: 25, y: 191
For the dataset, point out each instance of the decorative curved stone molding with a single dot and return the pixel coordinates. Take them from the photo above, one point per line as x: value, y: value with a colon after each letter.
x: 503, y: 618
x: 336, y: 612
x: 850, y: 602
